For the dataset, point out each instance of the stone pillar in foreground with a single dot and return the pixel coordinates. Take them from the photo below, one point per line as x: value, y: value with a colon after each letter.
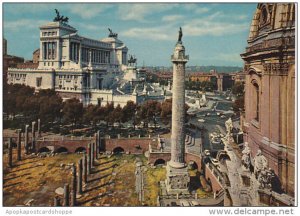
x: 66, y: 195
x: 98, y: 145
x: 56, y: 201
x: 19, y: 145
x: 79, y: 181
x: 177, y: 172
x: 89, y: 158
x: 74, y: 186
x: 92, y: 154
x: 33, y: 136
x: 84, y: 165
x: 39, y: 127
x: 26, y: 139
x: 10, y: 153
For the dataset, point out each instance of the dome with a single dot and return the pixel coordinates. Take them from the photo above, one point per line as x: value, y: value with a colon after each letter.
x: 270, y: 16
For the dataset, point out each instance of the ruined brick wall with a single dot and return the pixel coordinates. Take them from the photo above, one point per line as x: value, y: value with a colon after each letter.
x: 132, y: 145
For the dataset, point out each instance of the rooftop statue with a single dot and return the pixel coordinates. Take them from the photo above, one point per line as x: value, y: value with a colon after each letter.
x: 112, y: 34
x: 180, y: 35
x: 59, y: 18
x: 132, y: 60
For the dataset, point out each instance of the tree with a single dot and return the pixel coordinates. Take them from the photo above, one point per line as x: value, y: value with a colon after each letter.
x: 129, y: 111
x: 238, y: 89
x: 238, y: 104
x: 109, y: 108
x: 50, y: 105
x: 72, y: 111
x: 89, y: 114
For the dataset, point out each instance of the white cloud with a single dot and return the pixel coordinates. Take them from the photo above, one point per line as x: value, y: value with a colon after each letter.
x: 172, y: 18
x: 19, y: 25
x: 138, y: 12
x: 213, y: 25
x: 196, y: 8
x: 155, y: 33
x: 88, y: 11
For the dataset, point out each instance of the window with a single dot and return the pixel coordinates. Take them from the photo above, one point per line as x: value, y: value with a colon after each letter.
x: 38, y: 81
x: 256, y: 87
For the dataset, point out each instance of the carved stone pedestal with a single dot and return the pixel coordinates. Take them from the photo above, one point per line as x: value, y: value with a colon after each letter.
x: 178, y: 180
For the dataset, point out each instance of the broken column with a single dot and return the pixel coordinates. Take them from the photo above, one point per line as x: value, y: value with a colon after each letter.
x: 84, y: 166
x: 79, y: 182
x: 19, y: 145
x: 92, y: 155
x: 26, y: 139
x: 98, y: 145
x: 39, y: 127
x: 10, y: 163
x: 88, y: 163
x: 56, y: 201
x: 33, y: 136
x: 66, y: 195
x: 74, y: 186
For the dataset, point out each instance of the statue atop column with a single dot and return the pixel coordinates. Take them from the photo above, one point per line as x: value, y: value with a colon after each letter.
x: 180, y: 35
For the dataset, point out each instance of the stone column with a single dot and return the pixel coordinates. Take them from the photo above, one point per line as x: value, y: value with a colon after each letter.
x: 74, y: 186
x: 39, y: 127
x: 66, y: 195
x: 179, y: 60
x: 79, y: 182
x: 89, y: 159
x: 56, y: 201
x: 177, y: 172
x: 10, y: 153
x: 84, y: 166
x: 26, y: 139
x: 94, y: 153
x: 97, y: 144
x: 19, y: 145
x: 33, y: 136
x: 91, y: 155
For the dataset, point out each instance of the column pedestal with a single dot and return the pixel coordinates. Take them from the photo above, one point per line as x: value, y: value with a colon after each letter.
x: 178, y: 180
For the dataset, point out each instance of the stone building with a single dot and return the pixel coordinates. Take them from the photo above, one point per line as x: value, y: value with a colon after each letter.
x: 223, y: 81
x: 36, y: 56
x: 73, y: 65
x: 269, y: 121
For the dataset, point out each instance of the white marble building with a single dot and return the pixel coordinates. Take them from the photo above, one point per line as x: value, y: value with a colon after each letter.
x: 76, y: 66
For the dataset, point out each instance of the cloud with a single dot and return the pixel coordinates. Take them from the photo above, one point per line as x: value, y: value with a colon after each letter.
x: 19, y: 25
x: 88, y: 11
x: 138, y: 12
x: 213, y: 25
x: 196, y: 8
x: 155, y: 33
x: 172, y: 18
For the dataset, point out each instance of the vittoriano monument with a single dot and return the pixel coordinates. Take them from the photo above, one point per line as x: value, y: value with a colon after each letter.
x: 177, y: 172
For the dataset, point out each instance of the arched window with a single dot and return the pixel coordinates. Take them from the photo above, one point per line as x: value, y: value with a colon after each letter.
x: 256, y: 98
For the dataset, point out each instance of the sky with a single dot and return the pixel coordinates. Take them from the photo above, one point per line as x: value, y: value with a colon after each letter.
x: 213, y: 34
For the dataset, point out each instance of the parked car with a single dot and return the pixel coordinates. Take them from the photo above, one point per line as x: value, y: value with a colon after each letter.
x: 215, y: 162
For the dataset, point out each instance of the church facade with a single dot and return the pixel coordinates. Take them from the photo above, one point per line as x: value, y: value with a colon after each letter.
x: 269, y: 124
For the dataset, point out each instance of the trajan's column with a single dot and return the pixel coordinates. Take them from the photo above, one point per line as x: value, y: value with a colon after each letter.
x: 177, y: 172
